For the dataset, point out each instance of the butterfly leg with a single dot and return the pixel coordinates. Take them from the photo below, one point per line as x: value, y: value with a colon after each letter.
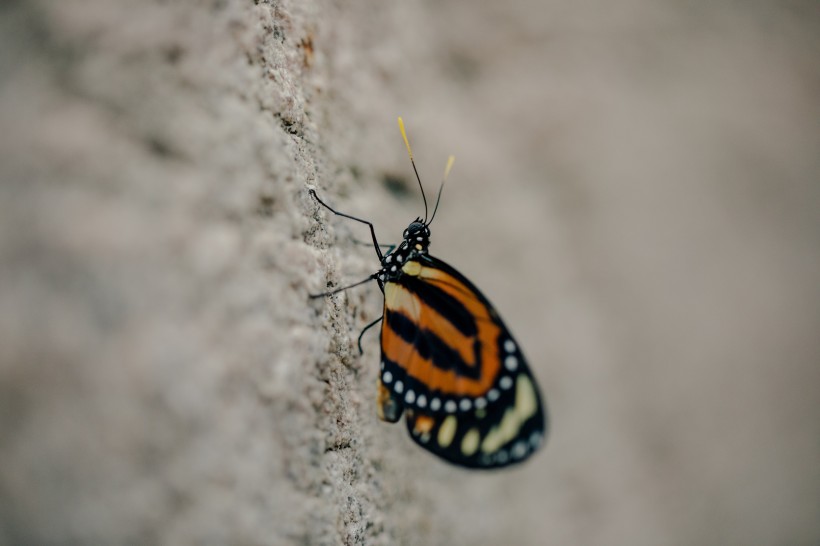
x: 390, y: 248
x: 337, y: 213
x: 365, y: 329
x: 343, y: 288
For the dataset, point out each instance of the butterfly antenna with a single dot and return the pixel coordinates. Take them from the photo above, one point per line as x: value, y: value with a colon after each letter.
x: 450, y: 161
x: 410, y: 153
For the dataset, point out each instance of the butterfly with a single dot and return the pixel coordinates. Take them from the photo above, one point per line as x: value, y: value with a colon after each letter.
x: 448, y: 361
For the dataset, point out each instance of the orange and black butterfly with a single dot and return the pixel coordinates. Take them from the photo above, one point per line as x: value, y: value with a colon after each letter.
x: 448, y: 361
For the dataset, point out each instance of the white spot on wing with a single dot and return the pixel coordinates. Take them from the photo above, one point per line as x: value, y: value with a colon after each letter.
x: 387, y: 377
x: 492, y: 395
x: 519, y: 449
x: 399, y: 387
x: 410, y: 397
x: 465, y: 404
x: 506, y: 382
x: 450, y: 406
x: 435, y: 404
x: 511, y: 363
x: 509, y: 346
x: 421, y: 401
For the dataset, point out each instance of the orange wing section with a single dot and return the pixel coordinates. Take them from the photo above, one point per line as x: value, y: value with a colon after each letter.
x: 430, y: 321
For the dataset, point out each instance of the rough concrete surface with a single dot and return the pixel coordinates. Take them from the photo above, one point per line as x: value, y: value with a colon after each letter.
x: 636, y: 189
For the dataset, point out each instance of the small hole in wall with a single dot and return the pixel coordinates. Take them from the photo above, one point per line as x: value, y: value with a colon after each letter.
x: 265, y: 205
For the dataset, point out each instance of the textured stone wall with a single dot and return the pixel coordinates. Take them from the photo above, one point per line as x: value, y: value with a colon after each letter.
x: 636, y: 190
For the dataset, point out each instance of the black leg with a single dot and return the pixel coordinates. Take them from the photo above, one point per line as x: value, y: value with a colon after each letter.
x: 390, y: 248
x: 336, y: 291
x: 366, y: 328
x: 337, y: 213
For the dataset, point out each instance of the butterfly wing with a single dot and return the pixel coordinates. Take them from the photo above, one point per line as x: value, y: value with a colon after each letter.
x: 449, y: 360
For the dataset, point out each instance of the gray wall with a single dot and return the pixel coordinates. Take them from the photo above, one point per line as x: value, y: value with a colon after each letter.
x: 636, y: 189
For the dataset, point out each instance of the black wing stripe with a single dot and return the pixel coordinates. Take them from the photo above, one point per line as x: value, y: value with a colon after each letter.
x: 444, y: 304
x: 431, y: 347
x: 493, y: 318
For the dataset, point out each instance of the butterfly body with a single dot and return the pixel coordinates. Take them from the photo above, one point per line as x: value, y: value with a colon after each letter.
x: 415, y: 243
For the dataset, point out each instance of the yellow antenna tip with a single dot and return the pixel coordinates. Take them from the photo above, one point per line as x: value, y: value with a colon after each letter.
x: 404, y: 136
x: 450, y: 161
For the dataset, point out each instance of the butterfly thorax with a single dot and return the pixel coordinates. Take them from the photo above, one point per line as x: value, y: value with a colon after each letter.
x: 415, y: 243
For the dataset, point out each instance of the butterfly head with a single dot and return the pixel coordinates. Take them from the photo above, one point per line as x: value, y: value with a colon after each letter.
x: 417, y: 235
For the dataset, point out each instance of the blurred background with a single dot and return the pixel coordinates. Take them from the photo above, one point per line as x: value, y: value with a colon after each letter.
x: 636, y: 189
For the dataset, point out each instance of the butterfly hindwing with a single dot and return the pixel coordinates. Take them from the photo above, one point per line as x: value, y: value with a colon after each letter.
x: 450, y: 361
x: 506, y: 432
